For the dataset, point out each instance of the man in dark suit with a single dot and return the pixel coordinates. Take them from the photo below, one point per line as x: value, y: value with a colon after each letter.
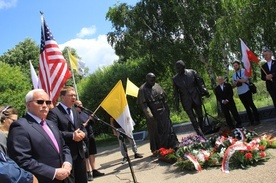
x: 268, y: 74
x: 36, y: 144
x: 224, y: 94
x: 187, y: 86
x: 68, y: 121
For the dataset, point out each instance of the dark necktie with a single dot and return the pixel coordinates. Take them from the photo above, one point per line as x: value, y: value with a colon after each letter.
x: 69, y: 111
x: 49, y: 133
x: 70, y: 114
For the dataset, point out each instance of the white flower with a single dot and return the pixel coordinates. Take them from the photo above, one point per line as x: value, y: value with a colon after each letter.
x: 221, y: 153
x: 200, y: 157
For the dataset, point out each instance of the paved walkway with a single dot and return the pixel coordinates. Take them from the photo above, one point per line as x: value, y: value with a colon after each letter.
x: 149, y: 169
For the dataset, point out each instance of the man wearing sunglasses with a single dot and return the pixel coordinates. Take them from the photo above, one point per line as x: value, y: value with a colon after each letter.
x: 68, y: 121
x: 36, y: 144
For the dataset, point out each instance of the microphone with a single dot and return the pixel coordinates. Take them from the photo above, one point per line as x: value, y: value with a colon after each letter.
x: 82, y: 108
x: 85, y: 109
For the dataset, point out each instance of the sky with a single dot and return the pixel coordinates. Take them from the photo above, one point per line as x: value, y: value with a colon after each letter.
x: 79, y: 24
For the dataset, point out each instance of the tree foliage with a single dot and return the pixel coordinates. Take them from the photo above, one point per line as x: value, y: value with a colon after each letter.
x: 21, y: 54
x: 14, y: 86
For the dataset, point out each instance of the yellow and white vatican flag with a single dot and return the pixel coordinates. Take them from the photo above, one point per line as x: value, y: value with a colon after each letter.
x: 131, y: 89
x: 76, y: 64
x: 115, y: 104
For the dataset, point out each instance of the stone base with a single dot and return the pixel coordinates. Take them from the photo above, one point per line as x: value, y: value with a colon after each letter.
x: 265, y: 113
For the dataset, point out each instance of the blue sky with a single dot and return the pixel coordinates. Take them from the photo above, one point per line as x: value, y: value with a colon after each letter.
x: 78, y: 24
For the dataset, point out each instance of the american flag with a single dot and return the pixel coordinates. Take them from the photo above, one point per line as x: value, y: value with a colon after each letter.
x: 53, y: 69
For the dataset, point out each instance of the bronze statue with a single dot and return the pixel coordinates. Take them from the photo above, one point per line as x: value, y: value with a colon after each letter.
x: 152, y: 99
x: 189, y: 88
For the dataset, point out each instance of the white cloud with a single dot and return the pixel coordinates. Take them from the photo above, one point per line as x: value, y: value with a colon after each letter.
x: 86, y: 31
x: 7, y: 3
x: 96, y: 53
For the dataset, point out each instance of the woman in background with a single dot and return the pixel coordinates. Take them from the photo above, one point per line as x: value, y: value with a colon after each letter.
x: 8, y: 115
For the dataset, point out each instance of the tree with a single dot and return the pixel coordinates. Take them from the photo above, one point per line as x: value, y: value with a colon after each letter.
x: 13, y: 87
x: 21, y: 54
x: 167, y: 31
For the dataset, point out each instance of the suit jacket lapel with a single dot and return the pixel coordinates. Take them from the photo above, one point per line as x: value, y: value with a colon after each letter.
x: 272, y: 68
x: 39, y: 128
x: 66, y: 114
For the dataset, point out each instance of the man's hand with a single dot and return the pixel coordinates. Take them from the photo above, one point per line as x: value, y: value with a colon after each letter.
x: 114, y: 132
x: 67, y: 166
x: 148, y: 113
x: 35, y: 179
x: 269, y: 77
x: 78, y: 135
x: 62, y: 173
x: 225, y: 101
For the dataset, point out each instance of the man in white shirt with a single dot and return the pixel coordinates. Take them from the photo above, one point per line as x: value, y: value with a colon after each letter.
x: 241, y: 81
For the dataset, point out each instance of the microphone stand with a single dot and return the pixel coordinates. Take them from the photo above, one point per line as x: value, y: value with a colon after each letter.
x: 212, y: 128
x: 122, y: 136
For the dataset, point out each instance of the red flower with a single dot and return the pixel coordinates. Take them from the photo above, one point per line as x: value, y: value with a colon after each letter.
x: 262, y: 148
x: 162, y: 149
x: 248, y: 147
x: 249, y: 155
x: 164, y: 152
x: 262, y: 154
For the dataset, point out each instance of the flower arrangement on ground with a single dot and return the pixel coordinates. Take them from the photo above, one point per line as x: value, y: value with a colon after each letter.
x: 239, y: 148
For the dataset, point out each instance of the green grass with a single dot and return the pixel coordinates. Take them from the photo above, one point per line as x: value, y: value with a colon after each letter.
x: 106, y: 140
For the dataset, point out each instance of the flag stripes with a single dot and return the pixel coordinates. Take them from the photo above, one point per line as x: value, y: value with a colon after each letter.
x: 53, y: 69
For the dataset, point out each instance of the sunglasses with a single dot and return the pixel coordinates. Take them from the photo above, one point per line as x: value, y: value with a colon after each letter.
x: 41, y: 102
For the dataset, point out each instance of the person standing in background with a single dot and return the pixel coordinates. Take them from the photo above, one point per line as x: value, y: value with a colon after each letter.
x: 88, y: 121
x: 224, y: 95
x: 241, y: 81
x: 8, y: 115
x: 114, y: 123
x: 268, y: 74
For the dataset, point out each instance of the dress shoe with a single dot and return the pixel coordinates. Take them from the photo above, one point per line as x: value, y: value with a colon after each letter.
x: 124, y: 160
x: 97, y: 173
x: 89, y: 176
x: 137, y: 155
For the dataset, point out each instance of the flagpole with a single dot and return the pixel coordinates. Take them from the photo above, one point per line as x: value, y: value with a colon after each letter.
x: 73, y: 75
x: 262, y: 69
x: 42, y: 23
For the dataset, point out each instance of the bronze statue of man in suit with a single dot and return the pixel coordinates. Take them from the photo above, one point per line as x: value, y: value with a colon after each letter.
x: 188, y: 88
